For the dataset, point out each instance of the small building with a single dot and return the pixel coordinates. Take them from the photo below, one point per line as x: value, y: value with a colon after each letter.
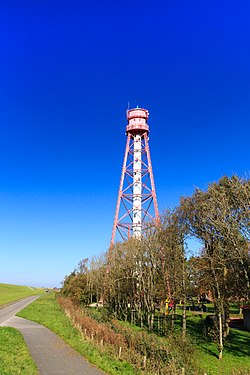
x: 246, y: 317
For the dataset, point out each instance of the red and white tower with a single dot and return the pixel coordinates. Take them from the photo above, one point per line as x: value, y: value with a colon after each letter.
x: 136, y: 201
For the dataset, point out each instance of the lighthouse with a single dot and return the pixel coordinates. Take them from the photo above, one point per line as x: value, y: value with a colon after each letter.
x: 136, y: 202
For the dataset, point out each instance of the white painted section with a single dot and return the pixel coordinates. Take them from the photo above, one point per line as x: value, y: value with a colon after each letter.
x: 137, y: 187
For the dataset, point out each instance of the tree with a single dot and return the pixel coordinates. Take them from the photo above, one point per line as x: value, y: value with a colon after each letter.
x: 172, y: 236
x: 220, y: 219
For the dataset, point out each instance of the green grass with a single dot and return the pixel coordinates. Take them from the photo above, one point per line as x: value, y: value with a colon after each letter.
x: 10, y: 293
x: 236, y: 354
x: 47, y: 312
x: 14, y: 355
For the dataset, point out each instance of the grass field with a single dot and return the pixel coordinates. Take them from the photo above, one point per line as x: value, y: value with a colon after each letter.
x: 14, y: 355
x: 10, y: 293
x: 236, y: 357
x: 236, y: 354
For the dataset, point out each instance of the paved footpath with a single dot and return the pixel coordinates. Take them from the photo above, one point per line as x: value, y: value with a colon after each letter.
x: 50, y: 353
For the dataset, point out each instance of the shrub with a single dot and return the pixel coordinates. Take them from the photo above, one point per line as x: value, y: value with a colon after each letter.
x: 145, y: 351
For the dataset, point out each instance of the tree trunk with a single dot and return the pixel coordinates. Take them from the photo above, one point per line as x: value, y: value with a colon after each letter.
x: 219, y: 313
x: 184, y: 319
x: 219, y: 301
x: 184, y: 311
x: 152, y: 322
x: 220, y: 335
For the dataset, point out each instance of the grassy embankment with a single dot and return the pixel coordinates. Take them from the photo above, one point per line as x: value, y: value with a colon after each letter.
x: 236, y: 357
x: 14, y: 355
x: 10, y: 293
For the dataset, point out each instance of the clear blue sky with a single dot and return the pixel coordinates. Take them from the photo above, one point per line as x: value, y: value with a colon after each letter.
x: 67, y: 71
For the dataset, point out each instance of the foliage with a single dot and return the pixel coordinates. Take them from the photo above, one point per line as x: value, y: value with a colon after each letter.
x: 219, y: 217
x: 236, y: 358
x: 84, y: 284
x: 137, y: 278
x: 162, y: 357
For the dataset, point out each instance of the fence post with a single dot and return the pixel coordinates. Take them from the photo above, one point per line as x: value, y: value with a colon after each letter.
x: 120, y: 352
x: 144, y: 362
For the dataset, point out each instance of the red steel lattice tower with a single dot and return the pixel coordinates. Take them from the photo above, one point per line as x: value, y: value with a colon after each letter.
x: 136, y: 203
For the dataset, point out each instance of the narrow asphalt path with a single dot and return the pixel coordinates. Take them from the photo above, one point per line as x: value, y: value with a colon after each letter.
x: 50, y: 353
x: 13, y: 308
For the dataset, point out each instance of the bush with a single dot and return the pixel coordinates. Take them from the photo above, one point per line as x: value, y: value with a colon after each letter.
x: 142, y: 349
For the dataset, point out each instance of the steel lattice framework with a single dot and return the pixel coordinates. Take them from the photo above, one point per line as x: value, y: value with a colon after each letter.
x: 136, y: 203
